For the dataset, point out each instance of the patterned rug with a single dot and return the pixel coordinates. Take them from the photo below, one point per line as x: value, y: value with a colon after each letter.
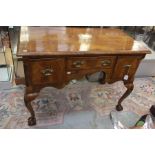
x: 52, y: 104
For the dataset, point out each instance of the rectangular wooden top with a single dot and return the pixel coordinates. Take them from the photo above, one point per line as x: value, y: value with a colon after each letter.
x: 44, y: 41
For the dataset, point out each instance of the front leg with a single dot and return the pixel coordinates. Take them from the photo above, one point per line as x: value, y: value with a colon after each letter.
x: 129, y: 87
x: 27, y: 99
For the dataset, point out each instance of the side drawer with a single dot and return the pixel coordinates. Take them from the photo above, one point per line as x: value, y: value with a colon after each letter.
x: 44, y: 71
x: 126, y: 65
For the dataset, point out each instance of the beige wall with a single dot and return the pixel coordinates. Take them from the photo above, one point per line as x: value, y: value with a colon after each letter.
x: 19, y: 68
x: 8, y: 57
x: 2, y: 60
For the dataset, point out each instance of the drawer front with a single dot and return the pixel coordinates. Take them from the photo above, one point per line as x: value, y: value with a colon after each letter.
x: 45, y: 72
x: 90, y: 62
x: 105, y: 62
x: 126, y: 67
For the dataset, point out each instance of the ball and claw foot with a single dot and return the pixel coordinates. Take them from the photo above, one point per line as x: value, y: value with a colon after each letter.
x: 31, y: 121
x: 119, y: 107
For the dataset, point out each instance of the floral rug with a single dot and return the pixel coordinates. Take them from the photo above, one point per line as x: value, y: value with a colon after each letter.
x: 52, y: 104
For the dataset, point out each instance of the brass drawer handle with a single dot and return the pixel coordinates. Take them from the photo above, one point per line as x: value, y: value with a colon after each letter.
x: 127, y: 66
x: 78, y: 64
x: 47, y: 72
x: 106, y: 63
x: 127, y: 69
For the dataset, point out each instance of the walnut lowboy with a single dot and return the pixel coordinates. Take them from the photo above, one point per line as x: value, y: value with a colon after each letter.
x: 53, y: 56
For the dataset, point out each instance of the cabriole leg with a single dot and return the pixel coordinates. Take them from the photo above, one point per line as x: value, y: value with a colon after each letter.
x: 129, y: 87
x: 27, y: 99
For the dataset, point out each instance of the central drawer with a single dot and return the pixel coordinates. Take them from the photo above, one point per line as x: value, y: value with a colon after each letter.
x: 90, y: 62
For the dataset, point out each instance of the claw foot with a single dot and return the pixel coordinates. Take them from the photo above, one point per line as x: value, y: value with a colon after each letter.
x: 31, y: 121
x: 119, y: 107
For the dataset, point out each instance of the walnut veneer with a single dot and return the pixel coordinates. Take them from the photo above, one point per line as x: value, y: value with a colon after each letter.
x: 53, y: 56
